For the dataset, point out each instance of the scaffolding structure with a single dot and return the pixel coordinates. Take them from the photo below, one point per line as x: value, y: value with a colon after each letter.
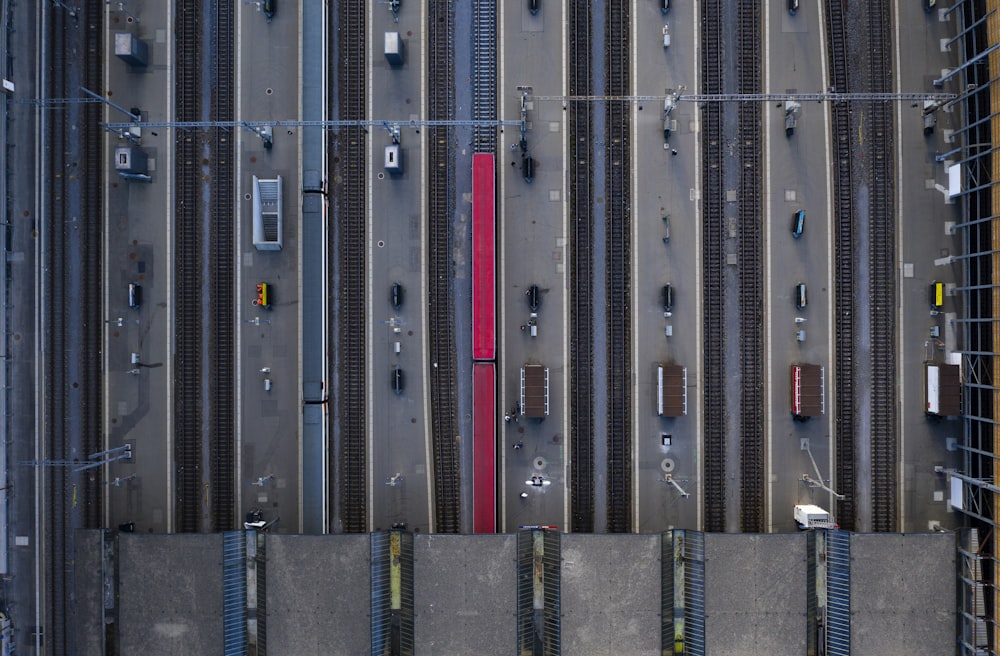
x: 974, y: 183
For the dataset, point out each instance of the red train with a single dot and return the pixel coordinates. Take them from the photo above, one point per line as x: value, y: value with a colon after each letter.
x: 484, y: 339
x: 484, y: 344
x: 484, y: 449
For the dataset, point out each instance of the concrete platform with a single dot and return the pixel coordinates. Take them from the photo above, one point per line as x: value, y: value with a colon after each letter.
x: 467, y: 590
x: 611, y: 594
x: 755, y: 594
x: 318, y: 594
x: 88, y: 606
x: 902, y: 594
x: 170, y: 592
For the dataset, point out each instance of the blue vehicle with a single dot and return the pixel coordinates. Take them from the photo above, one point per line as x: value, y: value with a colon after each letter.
x: 134, y: 295
x: 533, y: 6
x: 798, y: 223
x: 527, y: 167
x: 396, y: 295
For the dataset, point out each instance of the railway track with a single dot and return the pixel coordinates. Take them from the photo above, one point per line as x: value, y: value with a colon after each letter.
x: 204, y: 260
x: 874, y: 226
x: 92, y: 162
x: 882, y: 264
x: 187, y: 274
x: 619, y: 272
x: 581, y: 197
x: 752, y: 473
x: 72, y: 406
x: 844, y: 268
x: 348, y: 173
x: 222, y: 239
x: 484, y: 74
x: 441, y: 210
x: 713, y: 236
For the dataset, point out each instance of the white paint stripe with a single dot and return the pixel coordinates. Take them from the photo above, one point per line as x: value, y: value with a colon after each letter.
x: 237, y: 211
x: 634, y: 201
x: 369, y: 424
x: 567, y: 492
x: 830, y: 283
x: 699, y: 332
x: 428, y: 461
x: 900, y: 198
x: 105, y: 366
x: 170, y: 463
x: 326, y: 290
x: 500, y: 268
x: 768, y: 270
x: 41, y: 192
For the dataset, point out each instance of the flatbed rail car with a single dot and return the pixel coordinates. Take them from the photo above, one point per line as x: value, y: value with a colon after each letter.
x: 942, y: 389
x: 671, y: 390
x: 483, y: 257
x: 808, y: 386
x: 535, y: 391
x: 484, y: 450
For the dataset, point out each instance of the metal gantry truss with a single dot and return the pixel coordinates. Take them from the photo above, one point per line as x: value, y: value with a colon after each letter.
x: 263, y: 128
x: 255, y: 126
x: 123, y: 452
x: 376, y: 123
x: 765, y: 97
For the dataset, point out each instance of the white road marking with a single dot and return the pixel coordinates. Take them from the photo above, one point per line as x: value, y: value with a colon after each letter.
x: 900, y: 198
x: 428, y: 461
x: 634, y: 201
x: 768, y: 267
x: 699, y: 332
x: 237, y: 383
x: 169, y: 461
x: 830, y: 283
x: 499, y: 269
x: 369, y: 321
x: 567, y: 492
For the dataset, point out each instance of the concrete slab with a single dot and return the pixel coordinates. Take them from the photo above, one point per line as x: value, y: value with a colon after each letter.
x: 467, y: 593
x: 270, y: 414
x: 755, y: 594
x: 531, y: 250
x: 399, y: 424
x: 661, y: 187
x: 903, y: 594
x: 88, y: 583
x: 926, y: 243
x: 611, y: 594
x: 170, y: 591
x: 137, y: 248
x: 318, y: 594
x: 796, y: 175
